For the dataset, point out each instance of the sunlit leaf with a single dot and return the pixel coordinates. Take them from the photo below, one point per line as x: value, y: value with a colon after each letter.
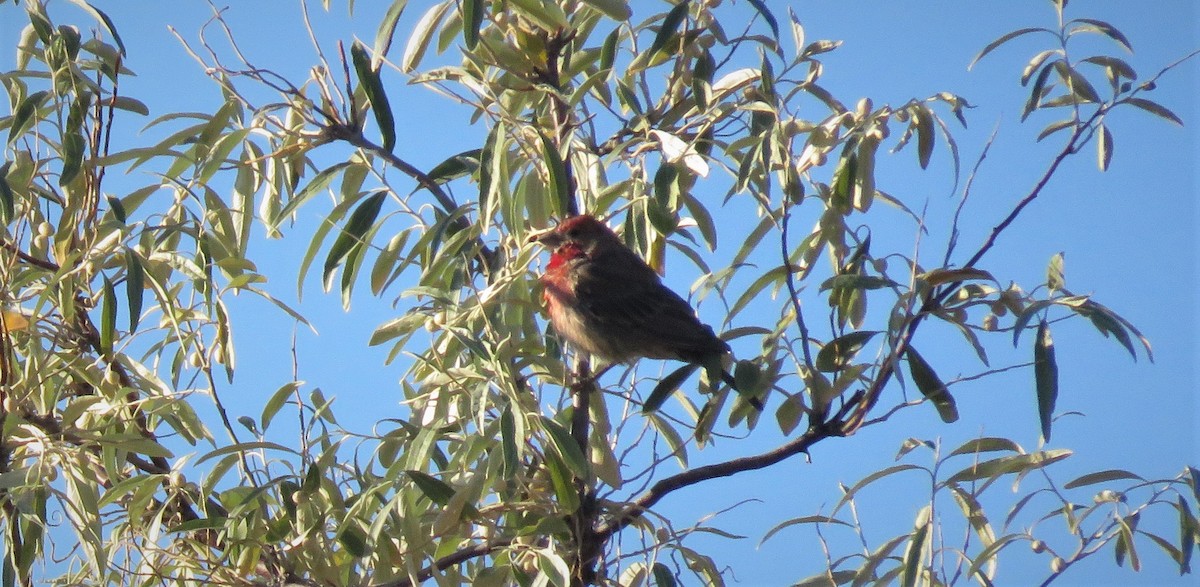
x: 1002, y: 40
x: 913, y: 559
x: 1156, y: 109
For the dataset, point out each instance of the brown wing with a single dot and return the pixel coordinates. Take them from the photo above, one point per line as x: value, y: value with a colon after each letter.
x: 626, y: 302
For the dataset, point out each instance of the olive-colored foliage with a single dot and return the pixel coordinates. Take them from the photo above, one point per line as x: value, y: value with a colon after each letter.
x: 115, y: 314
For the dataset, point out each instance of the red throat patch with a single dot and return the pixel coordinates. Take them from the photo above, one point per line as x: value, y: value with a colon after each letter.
x: 563, y: 254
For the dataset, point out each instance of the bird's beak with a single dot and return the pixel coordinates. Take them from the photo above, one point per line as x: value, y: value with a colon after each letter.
x: 547, y: 238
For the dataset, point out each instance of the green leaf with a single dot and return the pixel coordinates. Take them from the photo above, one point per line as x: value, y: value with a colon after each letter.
x: 1035, y: 92
x: 73, y: 146
x: 566, y: 448
x: 1156, y: 109
x: 931, y: 386
x: 617, y: 10
x: 765, y: 12
x: 560, y: 478
x: 1008, y: 465
x: 916, y: 545
x: 7, y: 198
x: 1055, y: 279
x: 277, y: 401
x: 472, y: 19
x: 1104, y: 148
x: 855, y: 281
x: 103, y: 18
x: 108, y: 318
x: 1105, y: 29
x: 354, y: 540
x: 667, y: 386
x: 1080, y: 87
x: 839, y: 352
x: 435, y: 489
x: 869, y: 479
x: 669, y: 25
x: 368, y: 77
x: 22, y: 115
x: 351, y: 237
x: 987, y: 444
x: 134, y: 287
x: 387, y: 31
x: 1002, y: 40
x: 422, y: 34
x: 508, y: 441
x: 559, y: 181
x: 1102, y: 477
x: 1045, y: 370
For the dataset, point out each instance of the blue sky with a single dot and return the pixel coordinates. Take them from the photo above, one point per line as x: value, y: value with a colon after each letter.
x: 1129, y: 237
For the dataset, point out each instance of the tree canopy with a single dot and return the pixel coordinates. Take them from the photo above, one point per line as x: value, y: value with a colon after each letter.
x: 708, y: 135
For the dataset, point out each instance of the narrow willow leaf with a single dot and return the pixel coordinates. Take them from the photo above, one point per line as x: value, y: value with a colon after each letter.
x: 1081, y: 89
x: 1055, y: 277
x: 7, y: 198
x: 134, y: 287
x: 435, y: 489
x: 353, y: 540
x: 869, y: 479
x: 940, y: 276
x: 508, y: 442
x: 1156, y: 109
x: 1002, y: 40
x: 22, y: 115
x: 913, y: 558
x: 558, y: 180
x: 351, y: 237
x: 472, y: 15
x: 765, y: 12
x: 1105, y: 29
x: 387, y: 31
x: 103, y: 18
x: 108, y: 318
x: 614, y: 9
x: 931, y: 386
x: 566, y: 448
x: 667, y: 386
x: 839, y: 352
x: 276, y: 402
x: 73, y: 147
x: 1045, y: 370
x: 1035, y: 92
x: 1035, y: 63
x: 669, y: 25
x: 563, y: 483
x: 926, y: 138
x: 368, y: 77
x: 987, y: 444
x: 1102, y: 477
x: 855, y: 281
x: 423, y: 31
x: 1008, y: 465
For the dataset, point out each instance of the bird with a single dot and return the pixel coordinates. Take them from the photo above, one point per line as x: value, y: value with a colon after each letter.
x: 604, y: 300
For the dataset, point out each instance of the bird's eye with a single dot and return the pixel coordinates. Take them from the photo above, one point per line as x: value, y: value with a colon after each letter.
x: 573, y: 233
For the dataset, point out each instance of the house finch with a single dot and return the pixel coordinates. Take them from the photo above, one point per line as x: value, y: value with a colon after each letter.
x: 606, y: 301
